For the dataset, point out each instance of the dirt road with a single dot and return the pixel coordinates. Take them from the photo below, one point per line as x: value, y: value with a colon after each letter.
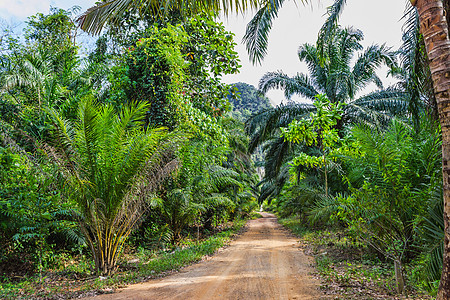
x: 263, y: 263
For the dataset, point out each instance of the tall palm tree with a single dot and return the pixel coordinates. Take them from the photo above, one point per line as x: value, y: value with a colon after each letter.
x: 332, y: 73
x: 434, y: 27
x: 111, y: 167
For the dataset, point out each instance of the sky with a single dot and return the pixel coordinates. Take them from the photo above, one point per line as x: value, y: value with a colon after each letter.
x: 380, y: 21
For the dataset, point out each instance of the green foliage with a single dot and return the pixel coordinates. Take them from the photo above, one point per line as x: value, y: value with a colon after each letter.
x: 107, y: 163
x: 153, y: 72
x: 183, y: 69
x: 210, y: 53
x: 430, y: 231
x: 215, y: 179
x: 56, y: 34
x: 204, y: 128
x: 39, y: 73
x: 391, y: 180
x: 319, y: 130
x: 9, y: 111
x: 44, y: 72
x: 30, y: 207
x: 206, y: 181
x: 335, y: 74
x: 111, y: 166
x: 179, y: 210
x: 246, y: 101
x: 53, y: 30
x: 98, y: 67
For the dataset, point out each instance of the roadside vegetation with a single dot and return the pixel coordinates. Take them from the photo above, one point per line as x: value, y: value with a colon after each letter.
x: 72, y: 276
x: 119, y: 165
x: 349, y: 269
x: 132, y: 159
x: 360, y: 178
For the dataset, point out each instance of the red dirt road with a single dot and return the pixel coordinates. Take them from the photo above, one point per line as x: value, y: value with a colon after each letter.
x: 263, y: 263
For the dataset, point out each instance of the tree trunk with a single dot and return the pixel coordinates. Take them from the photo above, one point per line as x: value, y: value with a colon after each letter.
x: 326, y: 175
x: 434, y: 28
x: 399, y: 279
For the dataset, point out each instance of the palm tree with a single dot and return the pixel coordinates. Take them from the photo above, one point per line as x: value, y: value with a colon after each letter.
x: 435, y: 30
x: 33, y: 72
x: 111, y: 167
x: 179, y: 210
x: 413, y: 73
x: 331, y: 73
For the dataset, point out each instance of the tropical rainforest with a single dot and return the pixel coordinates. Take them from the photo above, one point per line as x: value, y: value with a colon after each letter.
x: 131, y: 158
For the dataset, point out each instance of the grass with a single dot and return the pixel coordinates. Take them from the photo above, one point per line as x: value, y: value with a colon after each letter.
x: 76, y: 280
x: 348, y: 269
x: 255, y: 215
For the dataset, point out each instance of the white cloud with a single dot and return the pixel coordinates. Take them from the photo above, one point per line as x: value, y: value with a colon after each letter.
x: 21, y: 9
x: 296, y: 25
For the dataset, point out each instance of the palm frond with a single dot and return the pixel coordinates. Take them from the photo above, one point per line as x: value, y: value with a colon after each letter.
x: 299, y: 84
x: 324, y: 208
x: 414, y: 73
x: 221, y: 177
x: 308, y: 54
x: 110, y: 11
x: 377, y: 107
x: 366, y: 64
x: 276, y: 154
x: 219, y: 200
x: 266, y: 124
x: 272, y: 186
x: 432, y: 238
x: 334, y: 11
x: 257, y: 33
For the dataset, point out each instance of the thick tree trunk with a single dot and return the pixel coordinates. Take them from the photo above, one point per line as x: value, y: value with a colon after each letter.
x: 434, y: 28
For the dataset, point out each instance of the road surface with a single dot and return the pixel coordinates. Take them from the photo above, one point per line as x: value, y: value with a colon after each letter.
x: 265, y: 262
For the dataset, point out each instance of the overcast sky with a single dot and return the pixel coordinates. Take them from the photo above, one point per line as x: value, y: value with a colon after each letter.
x: 379, y: 20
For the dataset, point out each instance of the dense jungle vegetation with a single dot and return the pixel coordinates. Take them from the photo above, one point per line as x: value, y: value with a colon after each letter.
x: 133, y: 158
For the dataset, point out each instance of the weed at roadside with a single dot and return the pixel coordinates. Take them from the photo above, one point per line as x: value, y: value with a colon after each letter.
x: 347, y: 268
x: 76, y: 280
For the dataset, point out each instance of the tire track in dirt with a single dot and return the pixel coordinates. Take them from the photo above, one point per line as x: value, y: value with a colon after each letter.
x: 264, y: 263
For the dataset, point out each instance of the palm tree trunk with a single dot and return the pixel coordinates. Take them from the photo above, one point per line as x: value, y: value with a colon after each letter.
x: 399, y: 276
x: 434, y: 28
x: 325, y: 174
